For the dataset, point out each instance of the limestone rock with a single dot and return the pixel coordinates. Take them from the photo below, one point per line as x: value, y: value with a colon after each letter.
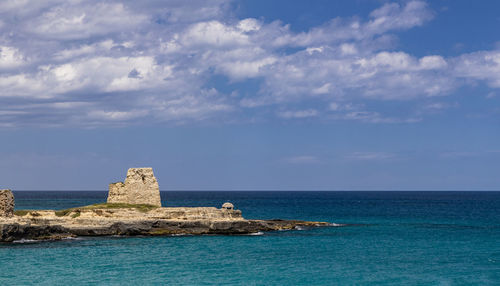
x: 228, y: 206
x: 140, y: 187
x: 6, y: 203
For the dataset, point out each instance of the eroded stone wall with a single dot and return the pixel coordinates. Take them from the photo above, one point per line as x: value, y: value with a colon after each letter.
x: 140, y: 187
x: 6, y: 203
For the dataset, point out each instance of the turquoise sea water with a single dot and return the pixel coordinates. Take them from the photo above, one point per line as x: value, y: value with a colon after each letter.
x: 392, y: 238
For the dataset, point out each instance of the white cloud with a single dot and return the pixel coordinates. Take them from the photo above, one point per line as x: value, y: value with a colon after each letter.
x: 432, y: 62
x: 393, y: 16
x: 336, y: 106
x: 84, y: 50
x: 389, y: 17
x: 312, y: 50
x: 324, y: 89
x: 348, y: 49
x: 102, y: 74
x: 214, y: 33
x: 21, y: 85
x: 116, y: 115
x: 385, y: 75
x: 484, y: 65
x: 10, y: 57
x: 249, y: 24
x: 240, y: 68
x: 66, y: 22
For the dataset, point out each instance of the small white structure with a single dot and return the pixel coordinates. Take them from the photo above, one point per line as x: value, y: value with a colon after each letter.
x: 228, y: 206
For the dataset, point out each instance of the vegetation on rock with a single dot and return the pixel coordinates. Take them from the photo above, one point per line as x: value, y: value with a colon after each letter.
x: 140, y: 207
x: 21, y: 212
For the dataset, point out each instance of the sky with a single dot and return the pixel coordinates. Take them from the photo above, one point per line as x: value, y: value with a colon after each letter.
x: 251, y: 94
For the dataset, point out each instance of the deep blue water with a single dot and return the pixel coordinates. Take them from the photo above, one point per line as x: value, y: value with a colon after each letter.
x: 394, y: 238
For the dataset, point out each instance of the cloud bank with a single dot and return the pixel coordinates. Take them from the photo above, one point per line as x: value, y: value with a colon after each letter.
x: 91, y: 64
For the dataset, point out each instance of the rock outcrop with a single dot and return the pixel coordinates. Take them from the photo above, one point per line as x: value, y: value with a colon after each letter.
x: 140, y: 187
x: 133, y: 208
x: 6, y: 203
x: 109, y: 219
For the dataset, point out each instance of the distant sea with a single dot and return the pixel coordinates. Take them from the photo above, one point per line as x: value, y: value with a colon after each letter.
x: 390, y: 238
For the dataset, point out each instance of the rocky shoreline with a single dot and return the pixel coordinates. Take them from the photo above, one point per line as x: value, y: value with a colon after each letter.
x: 130, y: 221
x: 133, y: 208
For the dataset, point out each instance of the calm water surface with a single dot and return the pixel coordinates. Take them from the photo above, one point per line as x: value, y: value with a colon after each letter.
x: 394, y: 238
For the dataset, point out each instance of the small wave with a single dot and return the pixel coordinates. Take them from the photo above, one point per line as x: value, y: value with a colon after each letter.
x: 249, y: 234
x: 25, y: 241
x: 337, y: 224
x: 72, y: 238
x: 256, y: 233
x: 181, y: 234
x: 299, y: 227
x: 47, y: 239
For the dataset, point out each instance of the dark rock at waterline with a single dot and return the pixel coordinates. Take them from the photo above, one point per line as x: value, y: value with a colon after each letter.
x: 14, y: 231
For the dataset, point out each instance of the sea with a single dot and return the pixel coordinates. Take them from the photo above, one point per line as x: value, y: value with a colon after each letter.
x: 378, y: 238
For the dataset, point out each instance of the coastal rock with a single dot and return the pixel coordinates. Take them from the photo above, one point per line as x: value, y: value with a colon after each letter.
x: 53, y: 229
x: 16, y: 231
x: 140, y: 187
x: 132, y: 220
x: 6, y: 203
x: 228, y: 206
x: 133, y: 208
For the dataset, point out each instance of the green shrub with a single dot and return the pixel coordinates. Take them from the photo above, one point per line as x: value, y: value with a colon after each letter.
x: 21, y: 212
x: 63, y: 212
x: 140, y: 207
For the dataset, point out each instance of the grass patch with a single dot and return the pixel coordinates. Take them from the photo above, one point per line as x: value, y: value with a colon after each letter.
x: 21, y: 212
x: 75, y: 215
x: 63, y: 212
x: 140, y: 207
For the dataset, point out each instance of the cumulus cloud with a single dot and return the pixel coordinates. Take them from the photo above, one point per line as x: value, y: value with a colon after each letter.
x: 484, y: 65
x: 71, y: 22
x: 108, y: 63
x: 10, y: 57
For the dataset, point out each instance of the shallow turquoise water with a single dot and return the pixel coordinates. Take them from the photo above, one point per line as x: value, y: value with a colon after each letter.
x: 393, y: 238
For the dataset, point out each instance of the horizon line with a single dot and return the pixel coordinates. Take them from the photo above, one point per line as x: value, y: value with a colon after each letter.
x: 271, y: 190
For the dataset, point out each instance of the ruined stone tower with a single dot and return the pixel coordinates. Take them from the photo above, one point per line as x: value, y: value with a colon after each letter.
x: 140, y: 187
x: 6, y: 203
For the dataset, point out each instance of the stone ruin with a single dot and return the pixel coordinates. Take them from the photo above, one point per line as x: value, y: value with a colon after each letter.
x: 140, y: 187
x: 6, y: 203
x: 228, y: 206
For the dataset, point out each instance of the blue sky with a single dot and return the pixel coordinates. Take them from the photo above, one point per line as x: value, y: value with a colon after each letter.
x: 251, y: 95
